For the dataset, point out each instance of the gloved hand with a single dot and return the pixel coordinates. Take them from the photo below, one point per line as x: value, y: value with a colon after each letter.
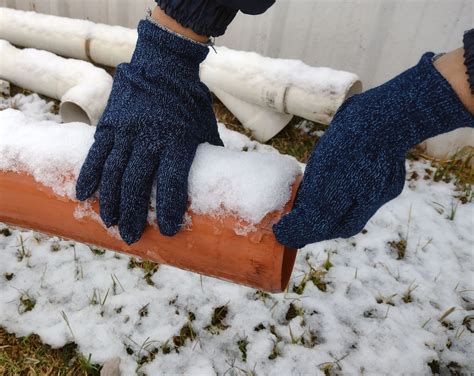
x: 157, y: 114
x: 359, y: 164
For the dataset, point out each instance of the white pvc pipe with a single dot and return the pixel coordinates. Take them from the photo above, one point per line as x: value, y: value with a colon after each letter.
x: 283, y: 85
x: 80, y: 39
x: 241, y: 83
x: 262, y: 122
x: 312, y: 93
x: 82, y: 88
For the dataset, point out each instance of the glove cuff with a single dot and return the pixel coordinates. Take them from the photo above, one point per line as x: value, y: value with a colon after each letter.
x: 157, y: 45
x: 433, y: 105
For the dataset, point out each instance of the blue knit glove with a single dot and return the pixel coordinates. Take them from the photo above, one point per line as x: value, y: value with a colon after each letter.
x: 359, y: 164
x: 157, y: 114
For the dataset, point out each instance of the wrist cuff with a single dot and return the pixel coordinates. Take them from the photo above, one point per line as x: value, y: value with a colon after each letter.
x: 468, y: 41
x: 205, y: 17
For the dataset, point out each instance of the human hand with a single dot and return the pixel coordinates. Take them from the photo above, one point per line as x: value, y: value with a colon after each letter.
x: 157, y: 114
x: 359, y: 164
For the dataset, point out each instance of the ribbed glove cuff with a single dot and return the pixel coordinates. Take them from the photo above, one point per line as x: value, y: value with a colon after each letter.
x: 435, y: 106
x: 157, y: 46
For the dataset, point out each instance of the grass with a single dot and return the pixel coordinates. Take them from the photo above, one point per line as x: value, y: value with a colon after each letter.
x: 14, y: 90
x: 458, y: 170
x: 5, y: 232
x: 293, y: 311
x: 22, y: 251
x: 27, y: 303
x: 29, y: 356
x: 315, y: 275
x: 290, y: 140
x: 148, y: 267
x: 217, y: 321
x: 407, y: 296
x: 242, y: 345
x: 400, y: 247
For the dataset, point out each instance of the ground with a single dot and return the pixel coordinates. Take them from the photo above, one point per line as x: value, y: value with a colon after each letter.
x: 395, y: 299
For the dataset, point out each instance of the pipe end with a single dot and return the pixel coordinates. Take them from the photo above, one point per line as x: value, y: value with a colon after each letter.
x: 71, y: 112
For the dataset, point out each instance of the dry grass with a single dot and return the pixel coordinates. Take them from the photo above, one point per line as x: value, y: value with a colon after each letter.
x: 28, y: 356
x: 290, y: 140
x: 14, y: 90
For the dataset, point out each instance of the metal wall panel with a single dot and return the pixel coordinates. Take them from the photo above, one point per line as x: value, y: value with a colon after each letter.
x: 373, y: 38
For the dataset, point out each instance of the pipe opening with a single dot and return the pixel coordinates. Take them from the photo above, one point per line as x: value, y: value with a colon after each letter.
x: 72, y: 112
x: 355, y: 88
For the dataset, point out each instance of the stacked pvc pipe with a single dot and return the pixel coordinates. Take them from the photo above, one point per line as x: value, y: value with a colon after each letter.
x: 263, y: 93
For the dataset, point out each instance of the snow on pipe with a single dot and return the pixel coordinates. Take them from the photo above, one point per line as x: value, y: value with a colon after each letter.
x: 260, y: 85
x: 82, y: 88
x: 228, y: 229
x: 283, y: 85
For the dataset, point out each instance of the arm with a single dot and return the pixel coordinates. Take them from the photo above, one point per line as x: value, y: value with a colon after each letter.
x: 359, y: 164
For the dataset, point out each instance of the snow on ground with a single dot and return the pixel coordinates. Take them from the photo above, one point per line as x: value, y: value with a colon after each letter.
x: 395, y: 299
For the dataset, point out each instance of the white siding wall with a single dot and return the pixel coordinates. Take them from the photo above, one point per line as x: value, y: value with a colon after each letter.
x: 373, y: 38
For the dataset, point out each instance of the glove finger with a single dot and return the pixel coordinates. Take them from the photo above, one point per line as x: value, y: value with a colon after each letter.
x: 91, y: 171
x: 172, y: 188
x: 360, y: 212
x: 110, y: 185
x: 303, y: 226
x: 353, y: 221
x: 135, y: 194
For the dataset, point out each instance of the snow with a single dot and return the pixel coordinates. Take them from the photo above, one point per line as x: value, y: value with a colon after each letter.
x: 238, y: 181
x: 348, y: 322
x: 222, y: 181
x: 359, y: 324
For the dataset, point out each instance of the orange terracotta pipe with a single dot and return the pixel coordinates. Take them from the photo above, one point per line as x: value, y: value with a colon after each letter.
x: 210, y: 246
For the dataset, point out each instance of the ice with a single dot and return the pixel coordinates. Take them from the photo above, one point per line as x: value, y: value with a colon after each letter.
x: 222, y: 181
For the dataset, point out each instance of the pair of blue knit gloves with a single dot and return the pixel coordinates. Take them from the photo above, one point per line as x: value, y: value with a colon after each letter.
x: 159, y: 112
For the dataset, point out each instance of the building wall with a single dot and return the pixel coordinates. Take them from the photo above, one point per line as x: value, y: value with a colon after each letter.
x: 374, y: 38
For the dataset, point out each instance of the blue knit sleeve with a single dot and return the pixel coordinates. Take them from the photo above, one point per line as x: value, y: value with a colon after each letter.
x: 210, y: 17
x: 248, y: 6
